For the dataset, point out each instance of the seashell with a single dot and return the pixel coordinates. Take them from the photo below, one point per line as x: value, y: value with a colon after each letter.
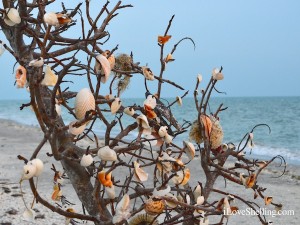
x: 196, y: 132
x: 144, y: 219
x: 234, y: 209
x: 250, y: 142
x: 168, y: 138
x: 58, y: 109
x: 224, y: 147
x: 140, y: 174
x: 199, y: 78
x: 107, y: 154
x: 179, y: 100
x: 50, y: 79
x: 178, y: 164
x: 150, y: 101
x: 189, y: 149
x: 216, y: 134
x: 28, y: 214
x: 143, y: 121
x: 162, y: 132
x: 170, y: 204
x: 164, y: 165
x: 115, y: 105
x: 110, y: 192
x: 169, y: 58
x: 105, y: 179
x: 163, y: 39
x: 217, y: 75
x: 250, y: 181
x: 200, y: 200
x: 84, y: 102
x: 29, y: 170
x: 187, y: 199
x: 21, y: 76
x: 63, y: 18
x: 161, y: 192
x: 39, y: 62
x: 197, y: 191
x: 2, y: 49
x: 129, y: 111
x: 50, y: 18
x: 182, y: 177
x: 268, y: 200
x: 86, y: 160
x: 154, y: 206
x: 12, y: 17
x: 111, y: 59
x: 147, y: 73
x: 102, y: 65
x: 122, y: 210
x: 57, y: 193
x: 39, y: 165
x: 149, y: 112
x: 226, y: 207
x: 76, y: 130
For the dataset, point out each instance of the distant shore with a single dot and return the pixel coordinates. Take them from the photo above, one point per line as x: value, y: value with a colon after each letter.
x: 18, y: 139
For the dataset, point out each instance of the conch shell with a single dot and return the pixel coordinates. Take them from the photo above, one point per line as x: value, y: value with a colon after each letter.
x: 21, y: 77
x: 50, y: 78
x: 148, y: 73
x: 115, y: 105
x: 105, y: 179
x: 107, y: 154
x: 12, y: 17
x: 102, y: 65
x: 140, y: 174
x: 84, y: 102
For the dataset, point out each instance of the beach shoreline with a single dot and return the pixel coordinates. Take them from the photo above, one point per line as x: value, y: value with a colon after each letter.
x: 19, y: 139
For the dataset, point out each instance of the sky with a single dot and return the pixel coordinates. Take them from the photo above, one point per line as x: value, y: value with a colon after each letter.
x: 256, y: 42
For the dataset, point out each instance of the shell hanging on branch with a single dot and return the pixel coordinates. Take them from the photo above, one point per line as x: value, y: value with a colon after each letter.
x: 56, y: 19
x: 84, y: 102
x: 179, y: 100
x: 76, y: 130
x: 154, y: 206
x: 217, y: 74
x: 102, y: 66
x: 140, y: 174
x: 50, y: 79
x: 39, y: 62
x: 182, y: 177
x: 111, y: 58
x: 163, y: 39
x: 216, y: 134
x: 12, y: 17
x: 143, y: 121
x: 122, y: 210
x: 115, y: 105
x: 105, y: 179
x: 107, y: 154
x: 21, y: 77
x: 129, y: 111
x: 196, y: 131
x: 148, y: 73
x: 189, y: 149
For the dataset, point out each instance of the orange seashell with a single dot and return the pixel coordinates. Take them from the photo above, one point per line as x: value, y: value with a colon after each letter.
x: 154, y: 206
x: 207, y: 124
x: 63, y: 18
x: 111, y: 59
x: 163, y: 39
x: 21, y: 77
x: 56, y: 194
x: 234, y: 209
x: 268, y: 200
x: 149, y: 112
x: 250, y: 181
x: 105, y: 179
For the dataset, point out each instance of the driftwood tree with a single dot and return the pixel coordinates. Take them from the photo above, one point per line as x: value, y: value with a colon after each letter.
x: 155, y: 188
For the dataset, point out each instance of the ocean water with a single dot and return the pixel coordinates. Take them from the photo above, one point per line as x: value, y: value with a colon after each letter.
x: 282, y: 114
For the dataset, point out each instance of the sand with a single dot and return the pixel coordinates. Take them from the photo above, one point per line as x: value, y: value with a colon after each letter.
x: 17, y: 139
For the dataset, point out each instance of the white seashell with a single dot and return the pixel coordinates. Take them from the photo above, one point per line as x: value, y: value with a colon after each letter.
x: 39, y: 165
x: 76, y: 130
x: 115, y: 105
x: 111, y: 58
x: 168, y: 138
x: 199, y: 78
x: 102, y: 65
x: 58, y: 109
x: 51, y: 19
x: 147, y: 73
x: 169, y: 203
x: 189, y: 149
x: 197, y: 191
x: 122, y: 210
x: 86, y: 160
x: 179, y: 100
x: 182, y: 177
x: 84, y: 102
x: 200, y: 200
x: 28, y: 215
x: 29, y: 171
x: 142, y: 121
x: 12, y: 17
x: 250, y: 142
x: 217, y: 75
x: 169, y: 58
x: 110, y: 192
x: 37, y: 62
x: 162, y: 192
x: 150, y: 101
x: 50, y: 79
x: 140, y: 174
x: 188, y: 199
x: 107, y: 154
x: 162, y: 132
x: 152, y: 139
x: 2, y: 49
x: 129, y: 111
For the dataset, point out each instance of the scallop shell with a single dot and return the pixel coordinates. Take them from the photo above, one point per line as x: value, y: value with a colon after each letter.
x: 199, y: 78
x: 105, y: 179
x: 147, y: 73
x: 50, y: 79
x: 12, y: 17
x: 102, y: 65
x: 140, y: 174
x: 50, y: 18
x: 110, y: 192
x: 179, y: 100
x: 76, y: 130
x: 168, y: 138
x: 189, y: 149
x: 86, y: 160
x: 28, y: 214
x: 217, y: 75
x: 84, y: 102
x: 129, y: 111
x: 107, y: 154
x: 162, y: 132
x: 143, y: 121
x: 29, y: 171
x: 154, y: 206
x: 115, y: 105
x: 39, y: 62
x: 182, y: 177
x: 21, y: 76
x: 150, y: 101
x: 39, y: 166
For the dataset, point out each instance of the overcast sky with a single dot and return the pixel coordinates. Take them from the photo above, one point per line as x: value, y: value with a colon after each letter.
x: 257, y: 43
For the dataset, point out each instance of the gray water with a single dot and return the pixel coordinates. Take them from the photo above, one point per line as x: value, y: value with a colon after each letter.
x: 280, y: 113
